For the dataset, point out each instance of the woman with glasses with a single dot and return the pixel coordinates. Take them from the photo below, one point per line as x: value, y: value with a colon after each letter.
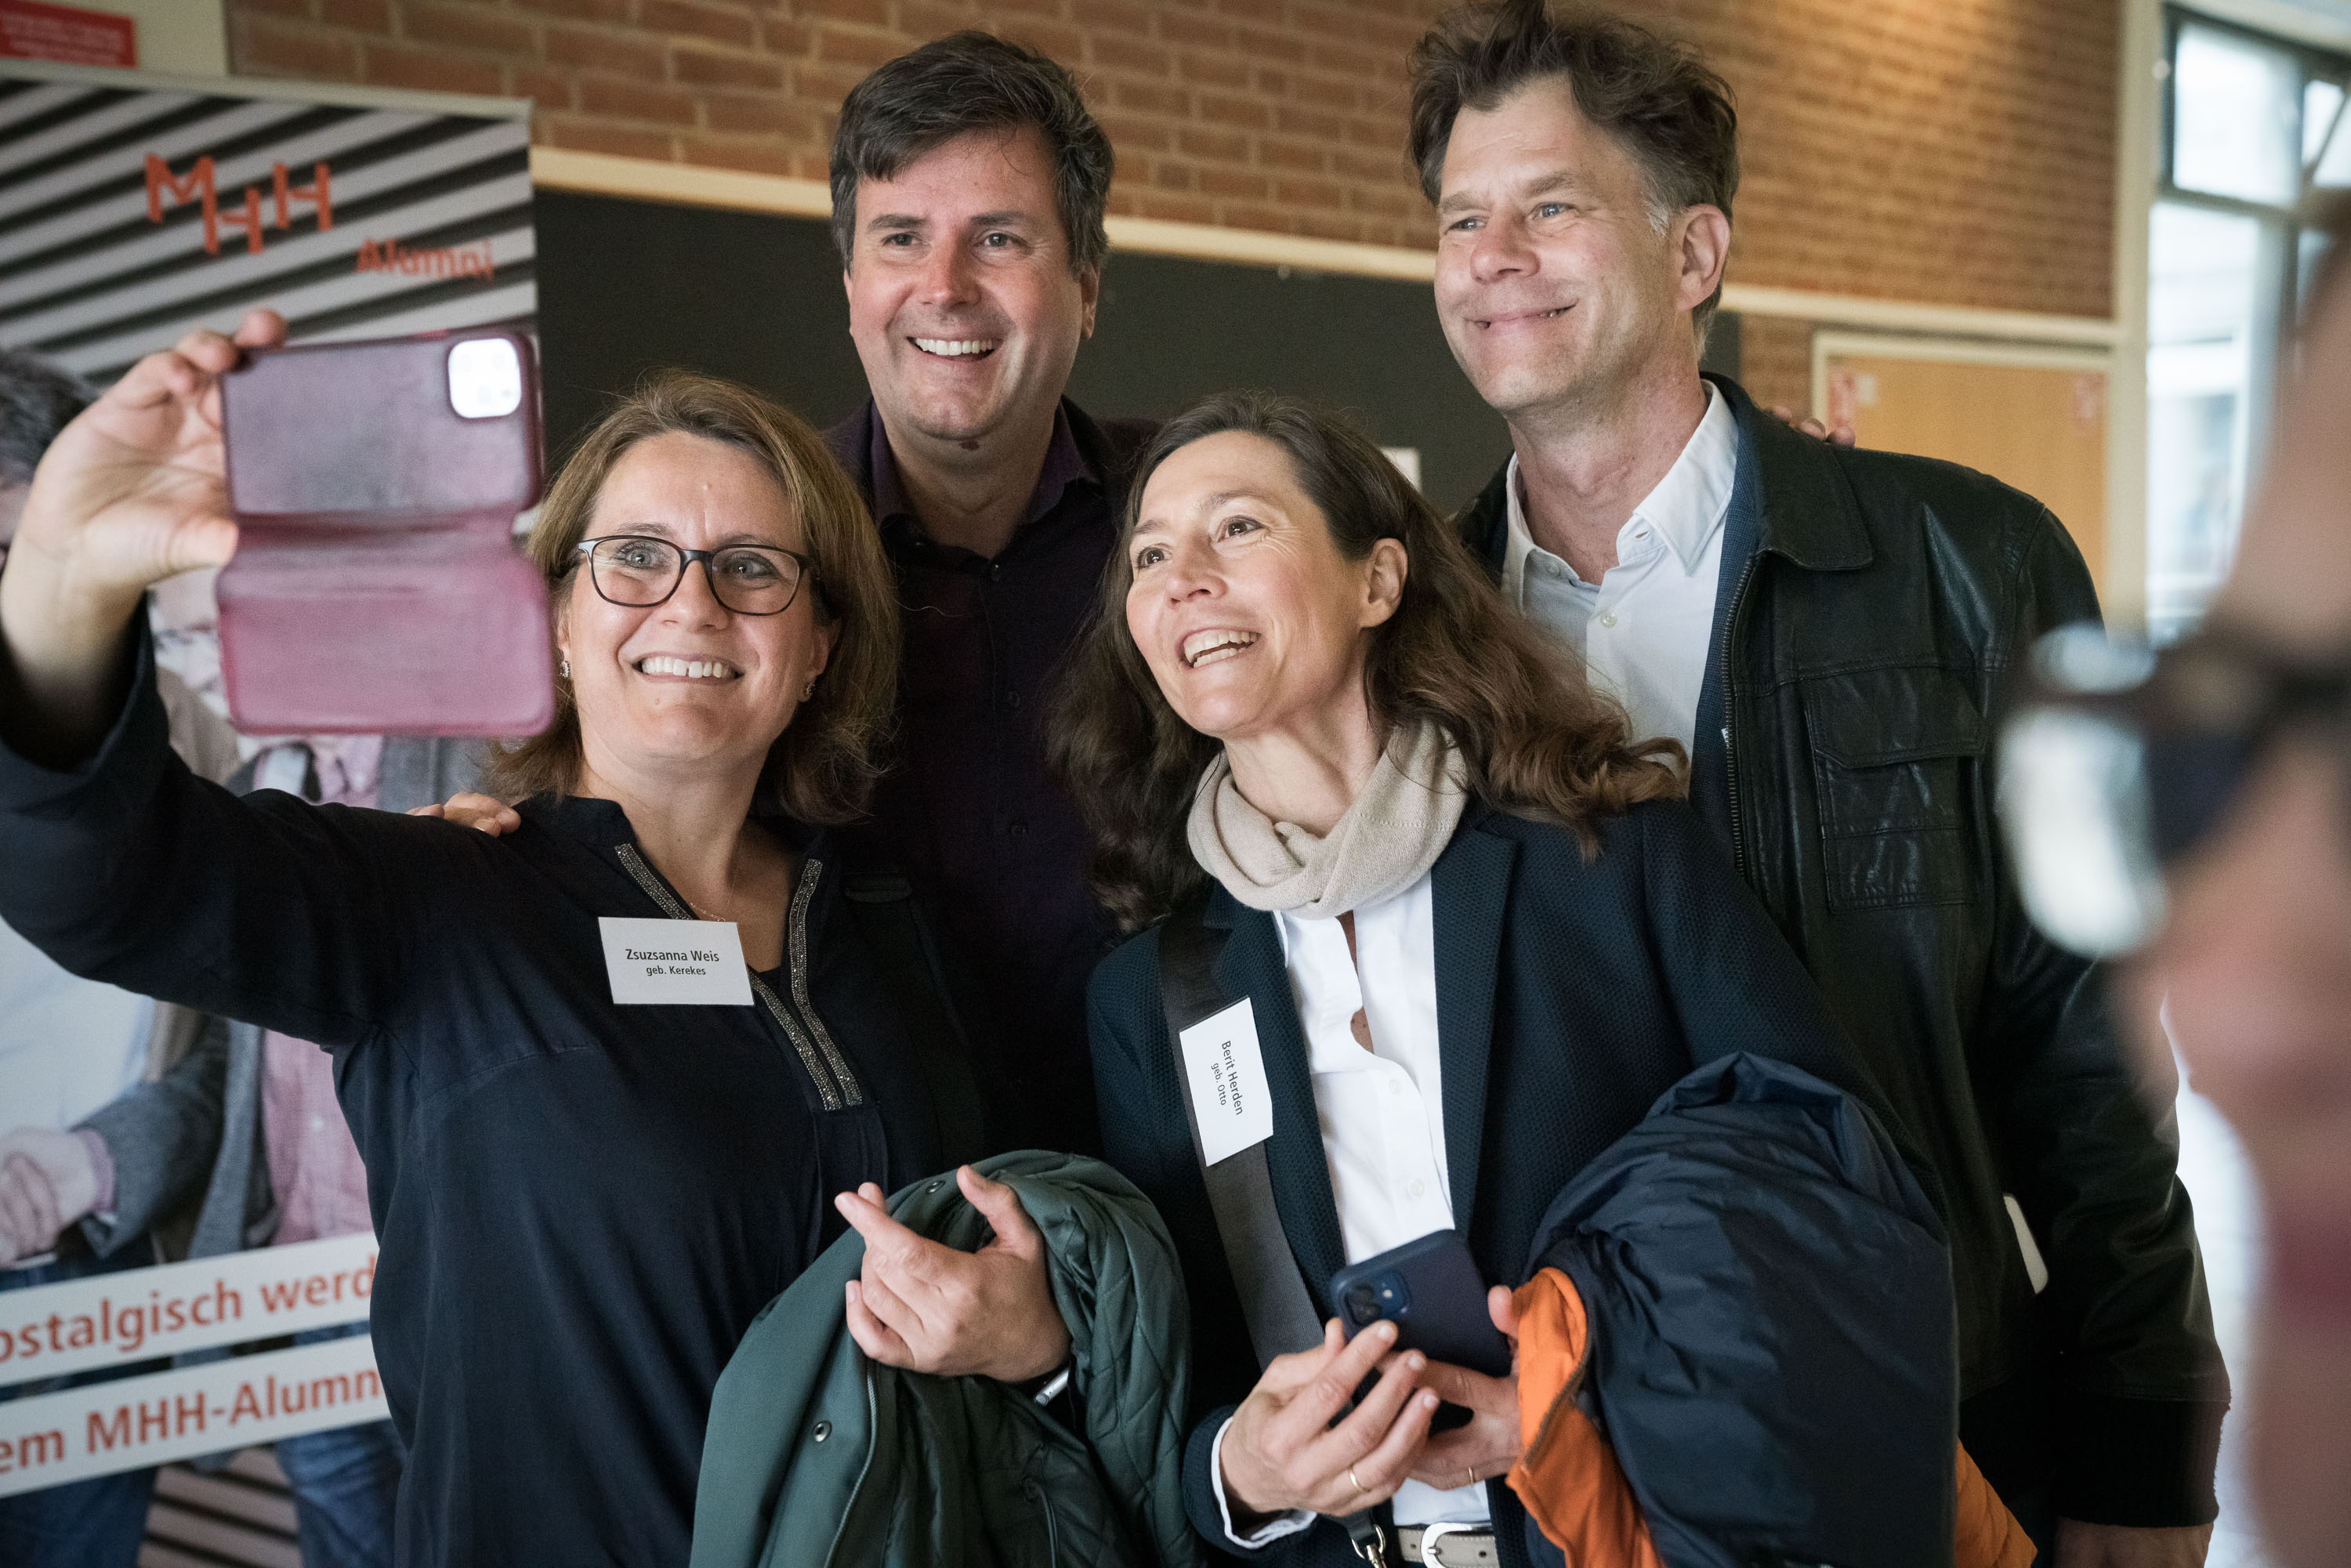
x: 582, y: 1202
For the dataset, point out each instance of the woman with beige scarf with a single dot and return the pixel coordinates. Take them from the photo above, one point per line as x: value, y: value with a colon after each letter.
x: 1476, y: 932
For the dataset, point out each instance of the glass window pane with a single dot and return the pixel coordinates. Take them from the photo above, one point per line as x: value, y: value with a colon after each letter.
x: 2320, y: 100
x: 2236, y: 113
x: 2203, y: 271
x: 2334, y: 170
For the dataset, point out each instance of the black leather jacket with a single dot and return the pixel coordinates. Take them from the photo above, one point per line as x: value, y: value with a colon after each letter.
x: 1868, y: 638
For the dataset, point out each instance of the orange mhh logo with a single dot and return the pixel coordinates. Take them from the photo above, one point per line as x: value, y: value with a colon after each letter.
x: 197, y: 185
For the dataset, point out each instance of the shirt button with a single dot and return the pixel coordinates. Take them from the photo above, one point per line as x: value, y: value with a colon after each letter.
x: 1019, y: 830
x: 1012, y: 699
x: 1396, y: 1086
x: 1416, y: 1187
x: 1608, y: 618
x: 995, y: 570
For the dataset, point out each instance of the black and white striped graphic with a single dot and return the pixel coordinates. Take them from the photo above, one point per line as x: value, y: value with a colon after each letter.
x: 429, y: 218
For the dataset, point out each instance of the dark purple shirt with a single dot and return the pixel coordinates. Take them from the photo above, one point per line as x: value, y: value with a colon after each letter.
x: 970, y: 809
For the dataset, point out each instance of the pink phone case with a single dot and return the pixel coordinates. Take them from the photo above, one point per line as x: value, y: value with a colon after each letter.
x: 375, y: 587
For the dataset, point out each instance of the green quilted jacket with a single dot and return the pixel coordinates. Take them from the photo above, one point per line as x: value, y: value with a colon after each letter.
x: 817, y: 1457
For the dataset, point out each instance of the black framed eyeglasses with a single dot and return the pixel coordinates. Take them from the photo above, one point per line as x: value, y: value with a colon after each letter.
x: 641, y: 571
x: 2115, y: 761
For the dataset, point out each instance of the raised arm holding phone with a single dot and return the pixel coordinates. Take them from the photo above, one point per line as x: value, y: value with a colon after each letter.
x: 129, y: 495
x: 582, y: 1200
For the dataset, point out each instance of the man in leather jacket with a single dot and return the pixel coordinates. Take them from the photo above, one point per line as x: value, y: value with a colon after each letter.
x: 1827, y: 629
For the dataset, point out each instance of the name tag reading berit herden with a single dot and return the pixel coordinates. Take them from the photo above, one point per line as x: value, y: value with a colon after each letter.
x: 676, y: 962
x: 1227, y: 1082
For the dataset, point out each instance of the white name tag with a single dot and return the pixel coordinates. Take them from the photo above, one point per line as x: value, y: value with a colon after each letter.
x: 1227, y: 1074
x: 676, y: 962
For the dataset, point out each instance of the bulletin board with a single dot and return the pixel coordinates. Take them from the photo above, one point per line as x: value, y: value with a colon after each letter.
x: 2034, y: 418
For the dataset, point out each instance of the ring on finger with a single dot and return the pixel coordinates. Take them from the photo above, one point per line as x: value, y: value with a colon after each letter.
x: 1360, y: 1488
x: 1468, y: 1476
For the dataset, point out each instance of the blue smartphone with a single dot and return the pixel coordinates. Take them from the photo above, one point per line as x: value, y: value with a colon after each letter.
x: 1431, y: 1290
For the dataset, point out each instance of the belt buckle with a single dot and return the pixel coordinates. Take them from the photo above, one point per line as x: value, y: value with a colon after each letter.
x: 1431, y: 1534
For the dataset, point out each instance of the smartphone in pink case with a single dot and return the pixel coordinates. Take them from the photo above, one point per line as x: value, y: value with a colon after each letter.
x: 376, y: 588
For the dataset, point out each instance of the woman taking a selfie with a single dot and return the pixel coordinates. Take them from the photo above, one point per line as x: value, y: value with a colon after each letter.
x: 582, y: 1204
x: 1477, y: 933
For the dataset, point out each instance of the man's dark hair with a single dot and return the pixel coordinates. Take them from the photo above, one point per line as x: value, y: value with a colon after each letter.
x: 1661, y: 103
x: 37, y: 401
x: 973, y: 81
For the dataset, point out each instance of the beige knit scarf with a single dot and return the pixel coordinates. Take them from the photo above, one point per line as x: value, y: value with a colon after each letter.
x: 1400, y: 822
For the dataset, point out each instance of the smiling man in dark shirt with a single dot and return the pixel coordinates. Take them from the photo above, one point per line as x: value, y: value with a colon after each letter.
x: 968, y: 183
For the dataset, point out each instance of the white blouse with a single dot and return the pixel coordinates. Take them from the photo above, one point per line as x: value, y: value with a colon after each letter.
x: 1382, y: 1113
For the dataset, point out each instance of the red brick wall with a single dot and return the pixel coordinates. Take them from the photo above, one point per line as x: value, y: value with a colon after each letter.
x: 1955, y: 151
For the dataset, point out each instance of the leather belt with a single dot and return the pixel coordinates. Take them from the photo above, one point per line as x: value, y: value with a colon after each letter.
x: 1447, y: 1545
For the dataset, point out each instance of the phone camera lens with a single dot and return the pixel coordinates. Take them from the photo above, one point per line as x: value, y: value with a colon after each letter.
x: 1362, y: 1304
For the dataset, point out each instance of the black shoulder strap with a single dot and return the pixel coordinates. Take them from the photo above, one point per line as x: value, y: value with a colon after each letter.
x: 1282, y: 1316
x: 886, y: 912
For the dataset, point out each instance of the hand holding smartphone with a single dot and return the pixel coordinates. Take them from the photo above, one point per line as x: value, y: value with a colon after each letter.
x: 1431, y: 1290
x: 375, y: 587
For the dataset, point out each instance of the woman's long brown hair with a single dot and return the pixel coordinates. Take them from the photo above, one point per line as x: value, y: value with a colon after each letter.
x: 1539, y: 741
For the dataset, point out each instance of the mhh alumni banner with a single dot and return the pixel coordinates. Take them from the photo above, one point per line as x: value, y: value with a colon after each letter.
x: 140, y: 1315
x: 132, y: 211
x: 134, y: 208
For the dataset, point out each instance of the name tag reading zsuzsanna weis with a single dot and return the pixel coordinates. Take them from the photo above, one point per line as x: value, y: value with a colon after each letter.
x: 1229, y: 1098
x: 675, y: 962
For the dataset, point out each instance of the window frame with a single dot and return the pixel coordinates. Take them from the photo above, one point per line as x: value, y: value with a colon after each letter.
x: 2280, y: 272
x: 2283, y: 225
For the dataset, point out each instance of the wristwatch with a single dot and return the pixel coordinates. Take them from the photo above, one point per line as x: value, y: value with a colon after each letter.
x: 1046, y: 1389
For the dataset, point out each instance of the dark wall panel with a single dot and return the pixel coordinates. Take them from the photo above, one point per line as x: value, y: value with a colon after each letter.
x: 1172, y: 331
x: 628, y: 286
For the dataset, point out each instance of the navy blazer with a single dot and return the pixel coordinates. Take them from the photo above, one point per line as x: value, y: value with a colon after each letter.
x: 1571, y: 993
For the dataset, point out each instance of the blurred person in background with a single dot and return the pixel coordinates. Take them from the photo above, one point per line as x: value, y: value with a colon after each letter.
x: 71, y: 1048
x: 1827, y: 631
x: 36, y: 400
x: 2194, y: 809
x: 226, y: 1137
x: 242, y: 1144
